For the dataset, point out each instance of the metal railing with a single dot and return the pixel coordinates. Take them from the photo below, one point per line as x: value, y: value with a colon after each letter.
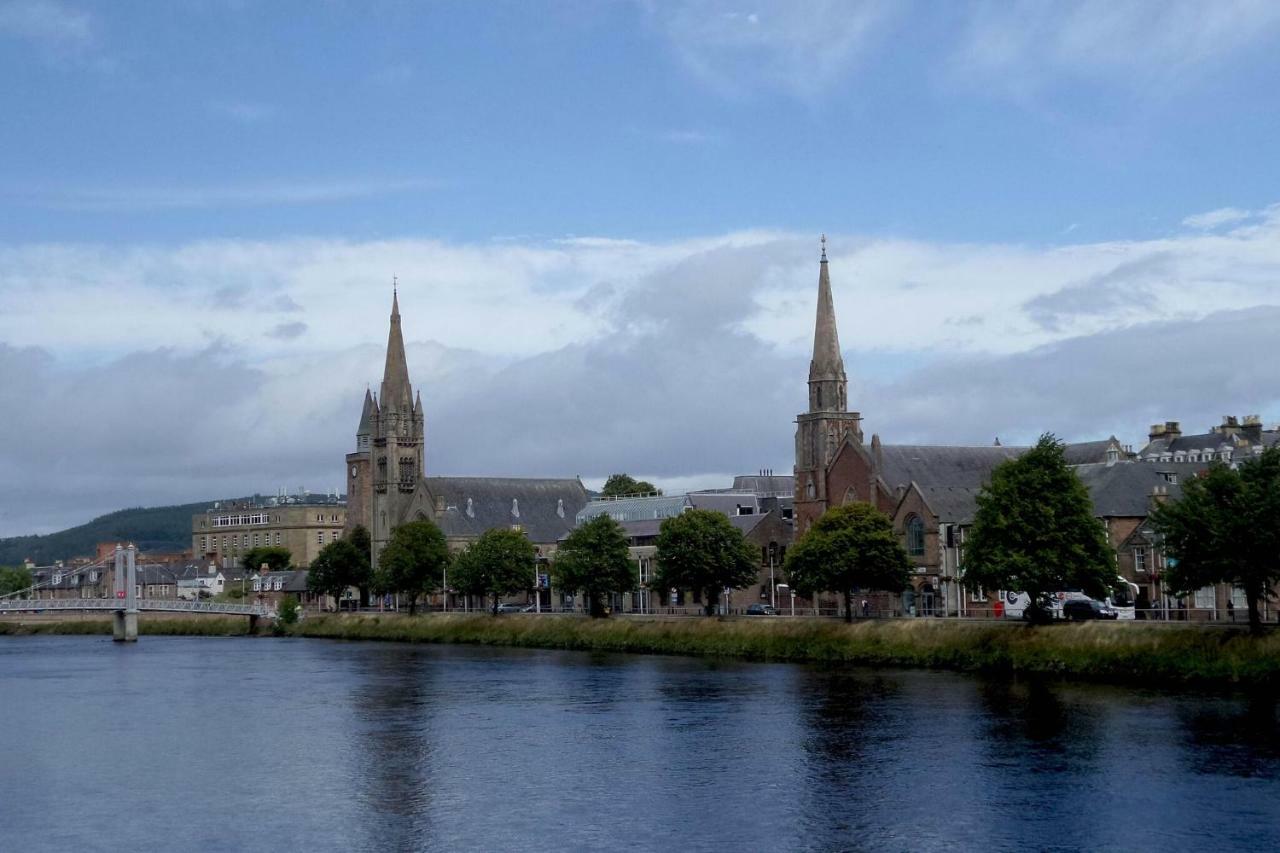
x: 14, y: 605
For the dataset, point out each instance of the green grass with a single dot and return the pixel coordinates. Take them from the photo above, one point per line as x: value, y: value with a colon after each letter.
x: 211, y: 626
x: 1129, y: 653
x: 1125, y: 653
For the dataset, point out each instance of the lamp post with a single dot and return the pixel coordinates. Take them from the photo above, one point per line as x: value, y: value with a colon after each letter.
x: 773, y: 585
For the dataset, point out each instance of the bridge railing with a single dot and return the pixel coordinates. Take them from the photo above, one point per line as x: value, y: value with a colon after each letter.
x: 153, y: 604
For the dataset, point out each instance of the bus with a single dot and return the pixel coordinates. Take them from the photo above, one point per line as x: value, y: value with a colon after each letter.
x: 1123, y: 598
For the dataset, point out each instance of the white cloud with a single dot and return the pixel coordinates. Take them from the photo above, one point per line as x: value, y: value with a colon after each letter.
x: 140, y: 198
x: 1145, y: 44
x: 679, y: 361
x: 794, y: 47
x: 1214, y: 218
x: 46, y: 23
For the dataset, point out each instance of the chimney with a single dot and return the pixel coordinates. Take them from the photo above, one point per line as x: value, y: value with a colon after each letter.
x: 1159, y: 495
x: 1252, y: 428
x: 440, y: 505
x: 1173, y: 429
x: 1157, y: 431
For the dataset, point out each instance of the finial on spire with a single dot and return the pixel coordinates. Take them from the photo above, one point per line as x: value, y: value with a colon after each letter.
x: 395, y: 284
x: 824, y: 248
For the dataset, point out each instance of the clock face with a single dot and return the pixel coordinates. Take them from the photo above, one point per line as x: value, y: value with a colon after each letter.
x: 353, y: 470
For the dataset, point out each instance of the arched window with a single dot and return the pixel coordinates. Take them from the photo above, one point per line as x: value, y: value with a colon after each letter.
x: 915, y: 536
x: 850, y: 495
x: 811, y: 490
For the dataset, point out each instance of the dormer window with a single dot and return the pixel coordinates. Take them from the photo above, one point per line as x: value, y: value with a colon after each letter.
x: 560, y: 507
x: 515, y: 508
x: 471, y: 510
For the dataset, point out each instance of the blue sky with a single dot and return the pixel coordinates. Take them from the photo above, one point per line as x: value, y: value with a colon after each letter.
x: 166, y: 122
x: 604, y: 219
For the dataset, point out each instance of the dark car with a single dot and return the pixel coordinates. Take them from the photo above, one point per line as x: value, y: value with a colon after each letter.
x: 762, y: 610
x: 1082, y: 609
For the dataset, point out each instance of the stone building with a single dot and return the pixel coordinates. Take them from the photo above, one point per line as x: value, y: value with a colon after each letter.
x: 387, y: 486
x: 1232, y: 442
x: 228, y: 530
x: 929, y: 492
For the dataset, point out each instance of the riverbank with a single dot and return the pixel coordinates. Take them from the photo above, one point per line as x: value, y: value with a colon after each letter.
x: 1126, y: 653
x: 190, y: 626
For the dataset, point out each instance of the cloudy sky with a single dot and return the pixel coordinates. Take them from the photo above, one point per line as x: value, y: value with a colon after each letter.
x: 604, y: 218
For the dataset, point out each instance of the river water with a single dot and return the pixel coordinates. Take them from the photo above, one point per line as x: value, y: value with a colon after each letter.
x: 294, y: 745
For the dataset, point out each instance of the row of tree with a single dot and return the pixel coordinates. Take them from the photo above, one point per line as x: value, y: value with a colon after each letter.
x: 1034, y: 531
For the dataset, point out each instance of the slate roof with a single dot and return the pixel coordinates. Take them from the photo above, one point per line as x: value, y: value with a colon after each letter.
x: 647, y: 528
x: 927, y: 465
x: 1088, y: 452
x: 765, y: 485
x: 952, y: 504
x: 726, y: 502
x: 1215, y: 442
x: 1124, y: 490
x: 547, y: 507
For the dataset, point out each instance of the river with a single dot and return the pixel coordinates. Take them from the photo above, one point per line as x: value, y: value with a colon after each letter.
x: 178, y: 744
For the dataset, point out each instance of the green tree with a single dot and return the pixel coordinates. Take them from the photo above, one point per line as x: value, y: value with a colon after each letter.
x: 288, y: 613
x: 14, y: 578
x: 1226, y: 529
x: 848, y: 546
x: 594, y: 560
x: 277, y: 558
x: 1035, y: 531
x: 500, y: 562
x: 624, y: 485
x: 701, y: 549
x: 414, y: 561
x: 339, y: 565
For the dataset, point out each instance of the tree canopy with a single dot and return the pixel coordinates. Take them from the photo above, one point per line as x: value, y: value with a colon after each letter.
x: 14, y: 578
x: 413, y: 562
x: 701, y: 549
x: 277, y: 557
x: 594, y: 560
x: 1225, y: 529
x: 1035, y: 531
x: 850, y: 546
x: 340, y: 565
x: 500, y: 562
x: 624, y: 485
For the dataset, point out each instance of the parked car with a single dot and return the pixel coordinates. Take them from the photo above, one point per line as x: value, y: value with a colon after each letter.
x: 762, y: 610
x: 1086, y: 608
x: 512, y: 607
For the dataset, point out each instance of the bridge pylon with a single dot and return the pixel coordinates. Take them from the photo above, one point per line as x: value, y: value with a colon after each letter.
x: 125, y: 617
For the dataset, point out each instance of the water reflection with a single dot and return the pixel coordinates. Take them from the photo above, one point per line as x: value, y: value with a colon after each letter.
x: 1235, y: 736
x: 393, y: 747
x: 373, y: 747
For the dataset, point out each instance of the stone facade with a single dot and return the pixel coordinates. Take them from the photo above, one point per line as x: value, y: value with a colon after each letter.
x: 226, y: 531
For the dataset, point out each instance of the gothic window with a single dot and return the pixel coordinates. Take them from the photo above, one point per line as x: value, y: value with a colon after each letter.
x: 915, y: 536
x: 811, y: 490
x: 850, y: 495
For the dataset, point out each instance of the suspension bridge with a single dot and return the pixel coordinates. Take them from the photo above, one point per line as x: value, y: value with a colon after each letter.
x: 126, y: 603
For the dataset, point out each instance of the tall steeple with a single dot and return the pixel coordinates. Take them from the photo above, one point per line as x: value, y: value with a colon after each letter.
x: 397, y: 393
x: 828, y: 385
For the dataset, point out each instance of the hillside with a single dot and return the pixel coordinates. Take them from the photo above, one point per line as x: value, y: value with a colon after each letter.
x: 160, y: 528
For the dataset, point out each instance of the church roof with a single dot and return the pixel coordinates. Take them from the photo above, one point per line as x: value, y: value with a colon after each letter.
x: 366, y: 415
x: 545, y: 507
x: 929, y: 465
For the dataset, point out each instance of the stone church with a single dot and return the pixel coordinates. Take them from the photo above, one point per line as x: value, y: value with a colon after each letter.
x: 387, y: 483
x: 928, y: 491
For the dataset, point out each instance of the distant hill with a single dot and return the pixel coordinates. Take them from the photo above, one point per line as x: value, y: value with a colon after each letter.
x: 158, y: 528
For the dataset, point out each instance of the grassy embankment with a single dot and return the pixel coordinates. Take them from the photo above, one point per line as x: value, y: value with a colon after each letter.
x: 1130, y: 653
x: 1127, y: 653
x: 206, y: 626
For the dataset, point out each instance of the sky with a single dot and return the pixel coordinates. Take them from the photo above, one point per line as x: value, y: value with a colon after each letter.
x: 604, y: 222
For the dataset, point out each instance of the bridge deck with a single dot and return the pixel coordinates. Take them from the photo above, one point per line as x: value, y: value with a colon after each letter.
x: 14, y: 605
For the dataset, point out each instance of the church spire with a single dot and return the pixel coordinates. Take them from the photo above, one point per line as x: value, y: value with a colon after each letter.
x: 827, y: 381
x: 397, y: 394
